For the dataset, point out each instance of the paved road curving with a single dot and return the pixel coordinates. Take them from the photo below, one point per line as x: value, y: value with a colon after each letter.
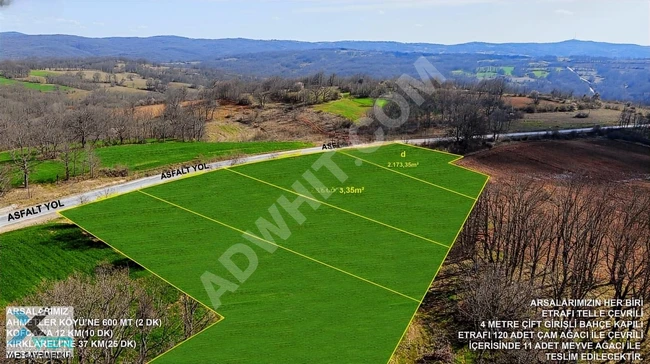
x: 44, y: 210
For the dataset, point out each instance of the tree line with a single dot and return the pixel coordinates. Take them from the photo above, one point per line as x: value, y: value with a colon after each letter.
x: 467, y: 112
x: 525, y: 241
x: 36, y: 126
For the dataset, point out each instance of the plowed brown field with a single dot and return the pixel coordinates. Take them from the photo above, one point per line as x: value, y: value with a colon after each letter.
x: 598, y: 159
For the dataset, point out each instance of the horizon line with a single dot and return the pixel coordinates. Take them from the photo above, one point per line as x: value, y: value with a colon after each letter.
x: 327, y: 41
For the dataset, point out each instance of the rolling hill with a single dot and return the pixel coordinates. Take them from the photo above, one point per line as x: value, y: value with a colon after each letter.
x: 615, y: 71
x: 15, y: 45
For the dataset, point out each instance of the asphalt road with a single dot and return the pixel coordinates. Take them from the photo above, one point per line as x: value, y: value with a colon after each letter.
x: 48, y: 208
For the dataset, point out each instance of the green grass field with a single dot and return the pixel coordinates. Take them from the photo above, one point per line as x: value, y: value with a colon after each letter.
x: 508, y: 70
x: 42, y: 73
x: 32, y: 85
x: 540, y: 72
x: 46, y: 252
x: 352, y: 109
x: 337, y: 280
x: 492, y: 72
x: 485, y: 72
x: 140, y: 157
x: 147, y: 156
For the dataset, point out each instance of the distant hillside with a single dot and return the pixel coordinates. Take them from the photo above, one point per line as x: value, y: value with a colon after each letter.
x: 171, y: 48
x: 615, y: 71
x: 613, y: 79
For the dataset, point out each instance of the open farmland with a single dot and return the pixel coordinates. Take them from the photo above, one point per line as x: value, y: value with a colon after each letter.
x: 566, y: 120
x: 598, y: 159
x: 33, y: 85
x: 343, y: 271
x: 55, y: 244
x: 349, y: 108
x: 143, y: 157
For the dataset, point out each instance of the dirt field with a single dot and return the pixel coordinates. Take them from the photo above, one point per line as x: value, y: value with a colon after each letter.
x: 522, y: 102
x: 244, y: 123
x: 598, y: 159
x: 565, y: 120
x: 623, y: 163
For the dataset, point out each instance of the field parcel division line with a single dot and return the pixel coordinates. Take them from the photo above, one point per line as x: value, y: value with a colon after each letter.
x: 279, y: 246
x: 370, y: 276
x: 406, y: 175
x: 452, y: 162
x: 221, y: 317
x: 338, y: 208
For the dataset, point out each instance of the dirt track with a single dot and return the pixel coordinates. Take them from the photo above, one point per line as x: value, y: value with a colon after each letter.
x: 598, y: 159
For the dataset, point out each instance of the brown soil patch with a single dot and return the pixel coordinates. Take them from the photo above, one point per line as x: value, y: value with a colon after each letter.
x: 247, y: 123
x: 151, y: 111
x: 600, y: 159
x: 520, y: 102
x: 274, y: 122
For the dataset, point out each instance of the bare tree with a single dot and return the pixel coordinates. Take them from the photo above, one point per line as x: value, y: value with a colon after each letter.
x: 111, y: 294
x: 92, y: 160
x: 535, y: 96
x: 82, y: 126
x: 23, y: 154
x: 5, y: 180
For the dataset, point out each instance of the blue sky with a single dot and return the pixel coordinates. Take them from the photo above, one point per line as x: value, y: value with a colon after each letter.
x: 432, y: 21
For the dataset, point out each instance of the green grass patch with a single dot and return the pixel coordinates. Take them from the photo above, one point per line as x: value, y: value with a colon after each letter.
x: 493, y: 71
x: 47, y: 252
x: 463, y: 73
x: 44, y: 87
x: 42, y: 73
x: 540, y: 72
x: 368, y: 102
x: 348, y: 276
x: 138, y: 157
x: 141, y: 157
x: 485, y: 75
x: 508, y: 70
x: 352, y: 109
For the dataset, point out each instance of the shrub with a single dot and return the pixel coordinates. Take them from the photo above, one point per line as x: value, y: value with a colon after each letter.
x: 531, y: 109
x: 245, y: 100
x: 116, y: 171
